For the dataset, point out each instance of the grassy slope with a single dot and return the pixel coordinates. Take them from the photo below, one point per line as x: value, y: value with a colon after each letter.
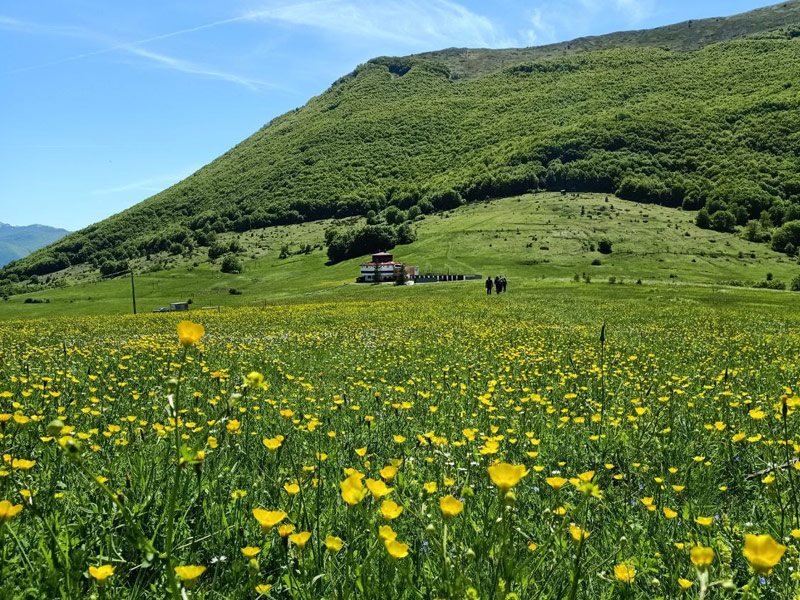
x: 649, y: 242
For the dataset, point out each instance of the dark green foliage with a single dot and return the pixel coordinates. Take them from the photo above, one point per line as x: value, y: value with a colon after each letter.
x: 349, y: 243
x: 231, y: 264
x: 795, y: 286
x: 446, y: 200
x: 404, y: 234
x: 113, y: 268
x: 723, y: 220
x: 394, y: 216
x: 787, y: 238
x: 219, y: 249
x: 716, y: 124
x: 703, y: 220
x: 770, y: 285
x: 604, y: 246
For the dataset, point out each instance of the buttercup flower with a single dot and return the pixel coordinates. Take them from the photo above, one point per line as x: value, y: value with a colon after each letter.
x: 378, y: 488
x: 762, y: 552
x: 353, y: 490
x: 268, y: 518
x: 102, y: 572
x: 190, y: 333
x: 506, y: 476
x: 333, y: 543
x: 450, y: 506
x: 300, y: 539
x: 625, y: 572
x: 390, y: 510
x: 396, y: 549
x: 556, y: 482
x: 8, y: 511
x: 189, y: 572
x: 702, y: 557
x: 577, y: 533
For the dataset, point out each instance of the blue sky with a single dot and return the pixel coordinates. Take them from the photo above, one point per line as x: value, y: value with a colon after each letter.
x: 105, y: 103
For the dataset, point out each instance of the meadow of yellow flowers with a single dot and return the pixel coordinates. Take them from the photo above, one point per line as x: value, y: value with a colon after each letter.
x: 399, y: 449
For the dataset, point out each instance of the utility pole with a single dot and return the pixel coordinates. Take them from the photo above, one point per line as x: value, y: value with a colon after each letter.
x: 133, y: 289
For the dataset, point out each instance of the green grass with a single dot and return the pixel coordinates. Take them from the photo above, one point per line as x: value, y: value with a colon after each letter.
x: 683, y: 408
x: 502, y: 237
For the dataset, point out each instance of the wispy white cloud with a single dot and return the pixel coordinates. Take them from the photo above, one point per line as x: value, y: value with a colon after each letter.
x: 540, y: 28
x: 133, y: 48
x: 19, y: 26
x: 185, y: 66
x: 554, y: 20
x: 415, y: 23
x: 637, y: 10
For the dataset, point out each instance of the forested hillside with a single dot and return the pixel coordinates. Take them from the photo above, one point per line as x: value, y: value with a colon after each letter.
x: 715, y: 127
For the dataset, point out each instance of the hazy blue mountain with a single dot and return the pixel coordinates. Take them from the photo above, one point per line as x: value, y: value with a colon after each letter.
x: 16, y: 242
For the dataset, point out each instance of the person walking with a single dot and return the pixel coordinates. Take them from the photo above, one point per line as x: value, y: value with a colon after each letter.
x: 504, y: 282
x: 489, y: 285
x: 497, y: 285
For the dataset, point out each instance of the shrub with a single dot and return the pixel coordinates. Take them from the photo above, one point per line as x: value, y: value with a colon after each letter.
x: 231, y: 264
x: 446, y: 200
x: 216, y: 251
x: 604, y: 246
x: 723, y: 221
x: 114, y: 268
x: 795, y: 285
x: 394, y: 216
x: 787, y: 235
x: 703, y: 220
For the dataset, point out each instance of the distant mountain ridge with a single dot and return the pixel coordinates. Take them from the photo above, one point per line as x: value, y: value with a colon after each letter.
x: 700, y: 114
x: 686, y: 36
x: 17, y: 242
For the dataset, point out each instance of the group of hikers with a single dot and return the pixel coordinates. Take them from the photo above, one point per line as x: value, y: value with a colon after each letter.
x: 499, y: 284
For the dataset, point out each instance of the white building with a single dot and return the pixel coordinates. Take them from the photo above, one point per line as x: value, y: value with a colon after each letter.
x: 383, y: 267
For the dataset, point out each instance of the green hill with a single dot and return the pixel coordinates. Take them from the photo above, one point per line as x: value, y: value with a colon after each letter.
x: 664, y: 116
x: 543, y: 237
x: 16, y: 242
